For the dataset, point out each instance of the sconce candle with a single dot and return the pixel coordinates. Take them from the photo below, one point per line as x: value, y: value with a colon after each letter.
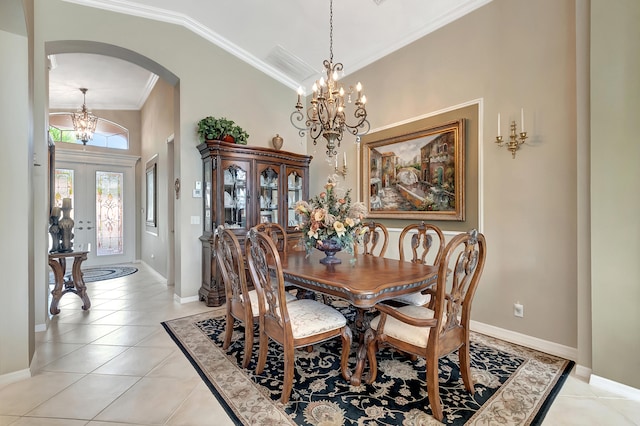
x: 499, y: 124
x: 522, y: 118
x: 344, y: 161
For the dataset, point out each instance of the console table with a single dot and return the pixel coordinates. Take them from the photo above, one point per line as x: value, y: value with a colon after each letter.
x: 74, y: 284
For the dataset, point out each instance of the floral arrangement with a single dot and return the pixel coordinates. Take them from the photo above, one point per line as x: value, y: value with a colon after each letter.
x: 331, y: 215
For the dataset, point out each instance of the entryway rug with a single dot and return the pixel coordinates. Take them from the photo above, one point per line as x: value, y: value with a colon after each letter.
x: 514, y: 385
x: 100, y: 273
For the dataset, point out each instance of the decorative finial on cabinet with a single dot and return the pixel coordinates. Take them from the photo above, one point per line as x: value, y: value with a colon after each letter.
x: 277, y: 141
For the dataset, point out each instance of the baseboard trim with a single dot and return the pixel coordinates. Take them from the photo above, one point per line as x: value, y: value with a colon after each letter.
x: 14, y: 376
x: 183, y: 300
x: 618, y: 388
x: 524, y: 340
x: 582, y: 372
x: 158, y: 274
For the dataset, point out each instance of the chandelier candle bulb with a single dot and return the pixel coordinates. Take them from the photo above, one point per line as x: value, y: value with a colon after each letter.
x: 344, y: 160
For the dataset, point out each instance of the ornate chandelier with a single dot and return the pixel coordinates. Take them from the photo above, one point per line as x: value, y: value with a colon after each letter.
x: 326, y: 116
x: 84, y: 122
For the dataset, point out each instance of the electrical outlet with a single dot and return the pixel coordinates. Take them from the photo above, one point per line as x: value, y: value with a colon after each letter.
x: 518, y: 310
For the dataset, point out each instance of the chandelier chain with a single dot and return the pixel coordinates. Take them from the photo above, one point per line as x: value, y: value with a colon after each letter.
x: 326, y: 114
x: 331, y: 31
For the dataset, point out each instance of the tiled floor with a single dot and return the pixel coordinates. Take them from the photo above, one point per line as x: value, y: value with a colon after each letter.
x: 115, y: 365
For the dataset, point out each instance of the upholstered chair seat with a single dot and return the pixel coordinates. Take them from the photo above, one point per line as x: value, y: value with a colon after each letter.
x: 309, y: 317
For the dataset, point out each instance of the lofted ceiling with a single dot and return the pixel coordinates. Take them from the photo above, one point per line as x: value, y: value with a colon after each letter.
x: 286, y: 39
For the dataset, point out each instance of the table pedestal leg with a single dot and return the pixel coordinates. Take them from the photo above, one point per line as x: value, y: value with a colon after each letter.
x: 78, y: 281
x: 58, y: 273
x: 361, y: 326
x: 73, y: 285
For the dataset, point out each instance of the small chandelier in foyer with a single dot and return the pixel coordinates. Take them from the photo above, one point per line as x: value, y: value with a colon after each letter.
x: 326, y: 116
x: 84, y: 122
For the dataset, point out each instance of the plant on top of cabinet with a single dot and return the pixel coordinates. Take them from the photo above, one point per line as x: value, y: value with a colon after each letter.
x: 211, y: 128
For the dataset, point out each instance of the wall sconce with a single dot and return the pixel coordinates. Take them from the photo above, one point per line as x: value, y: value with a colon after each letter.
x: 343, y: 171
x: 515, y: 139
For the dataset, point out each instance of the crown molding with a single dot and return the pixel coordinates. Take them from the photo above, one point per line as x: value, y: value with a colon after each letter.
x: 163, y: 15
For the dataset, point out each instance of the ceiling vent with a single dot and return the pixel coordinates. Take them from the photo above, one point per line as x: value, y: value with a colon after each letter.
x: 289, y: 64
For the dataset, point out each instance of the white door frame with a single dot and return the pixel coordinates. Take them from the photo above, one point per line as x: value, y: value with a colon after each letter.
x: 123, y: 161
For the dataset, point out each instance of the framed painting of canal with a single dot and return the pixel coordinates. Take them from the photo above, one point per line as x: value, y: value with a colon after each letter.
x: 418, y: 175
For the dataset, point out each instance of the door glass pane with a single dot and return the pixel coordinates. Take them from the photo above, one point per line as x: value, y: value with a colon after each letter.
x: 269, y: 196
x: 109, y: 213
x: 64, y: 187
x: 235, y: 197
x: 294, y: 192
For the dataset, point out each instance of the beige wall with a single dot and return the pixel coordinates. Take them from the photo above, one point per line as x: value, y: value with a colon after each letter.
x: 157, y: 127
x: 498, y: 54
x: 615, y: 226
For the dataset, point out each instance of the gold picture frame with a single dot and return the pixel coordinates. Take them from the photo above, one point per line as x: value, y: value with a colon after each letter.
x: 418, y: 175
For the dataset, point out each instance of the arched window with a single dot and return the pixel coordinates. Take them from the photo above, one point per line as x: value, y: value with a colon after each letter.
x: 107, y: 135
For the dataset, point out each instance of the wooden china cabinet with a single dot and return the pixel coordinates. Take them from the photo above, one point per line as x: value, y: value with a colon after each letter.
x: 243, y: 186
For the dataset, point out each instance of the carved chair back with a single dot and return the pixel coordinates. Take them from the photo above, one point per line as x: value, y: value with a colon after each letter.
x: 423, y: 247
x: 374, y: 240
x: 276, y: 232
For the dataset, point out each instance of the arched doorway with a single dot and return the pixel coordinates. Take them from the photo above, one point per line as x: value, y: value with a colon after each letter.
x: 107, y: 50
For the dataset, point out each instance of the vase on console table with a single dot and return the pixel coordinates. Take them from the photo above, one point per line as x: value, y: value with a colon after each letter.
x: 330, y: 247
x: 54, y: 230
x: 66, y: 227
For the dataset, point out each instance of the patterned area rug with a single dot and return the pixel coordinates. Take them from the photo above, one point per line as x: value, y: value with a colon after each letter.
x: 514, y: 385
x: 101, y: 273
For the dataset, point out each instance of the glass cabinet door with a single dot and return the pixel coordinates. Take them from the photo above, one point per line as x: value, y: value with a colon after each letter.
x: 294, y: 194
x: 235, y: 197
x: 268, y: 195
x: 207, y: 196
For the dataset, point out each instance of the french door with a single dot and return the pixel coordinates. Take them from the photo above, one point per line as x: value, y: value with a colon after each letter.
x: 102, y: 190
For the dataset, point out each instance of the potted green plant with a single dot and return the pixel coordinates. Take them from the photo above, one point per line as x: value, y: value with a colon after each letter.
x: 211, y: 128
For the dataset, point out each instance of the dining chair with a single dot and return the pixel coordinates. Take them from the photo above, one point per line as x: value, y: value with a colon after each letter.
x: 427, y: 245
x: 277, y: 234
x: 241, y: 304
x: 434, y: 333
x: 292, y: 325
x: 374, y: 240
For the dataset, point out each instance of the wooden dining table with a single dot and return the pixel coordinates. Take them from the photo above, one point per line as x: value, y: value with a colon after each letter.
x: 361, y: 280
